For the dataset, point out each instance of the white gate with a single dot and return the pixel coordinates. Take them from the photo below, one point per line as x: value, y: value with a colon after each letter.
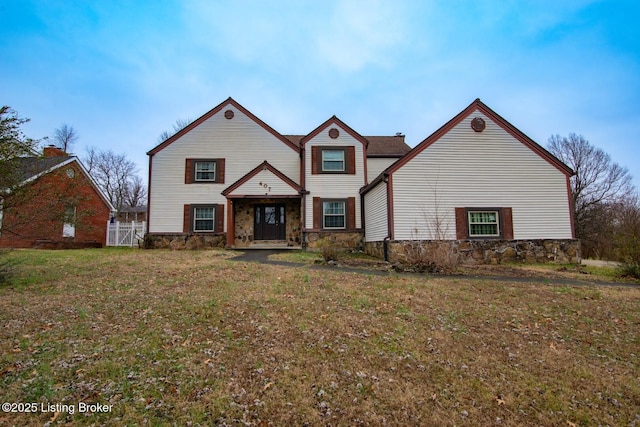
x: 125, y: 233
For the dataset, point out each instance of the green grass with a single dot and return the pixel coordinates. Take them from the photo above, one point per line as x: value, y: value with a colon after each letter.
x: 190, y: 337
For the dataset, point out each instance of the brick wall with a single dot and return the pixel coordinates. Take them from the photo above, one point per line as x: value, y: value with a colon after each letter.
x: 35, y: 214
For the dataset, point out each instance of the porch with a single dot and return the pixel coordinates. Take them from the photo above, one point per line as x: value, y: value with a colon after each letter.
x: 264, y: 223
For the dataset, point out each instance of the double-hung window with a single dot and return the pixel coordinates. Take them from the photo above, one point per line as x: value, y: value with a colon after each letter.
x: 333, y: 160
x: 483, y: 223
x: 205, y: 171
x: 203, y: 219
x: 333, y: 214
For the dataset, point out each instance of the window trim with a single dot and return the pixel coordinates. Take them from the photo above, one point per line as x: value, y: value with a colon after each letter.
x: 195, y: 171
x: 496, y: 223
x: 342, y: 150
x: 344, y: 214
x: 194, y: 219
x: 497, y: 211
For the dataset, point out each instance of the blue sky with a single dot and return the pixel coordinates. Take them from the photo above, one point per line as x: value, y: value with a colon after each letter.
x: 121, y: 72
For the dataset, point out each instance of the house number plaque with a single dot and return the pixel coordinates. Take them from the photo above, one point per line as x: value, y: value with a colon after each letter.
x: 264, y: 185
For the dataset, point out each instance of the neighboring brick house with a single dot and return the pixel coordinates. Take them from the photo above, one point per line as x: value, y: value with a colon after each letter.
x: 229, y: 176
x: 56, y: 205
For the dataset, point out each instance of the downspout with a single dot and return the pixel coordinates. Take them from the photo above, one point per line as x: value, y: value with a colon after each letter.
x: 385, y: 248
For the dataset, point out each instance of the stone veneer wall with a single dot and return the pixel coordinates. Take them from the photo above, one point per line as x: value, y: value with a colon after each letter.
x: 184, y: 241
x: 244, y: 215
x: 562, y: 251
x: 342, y: 239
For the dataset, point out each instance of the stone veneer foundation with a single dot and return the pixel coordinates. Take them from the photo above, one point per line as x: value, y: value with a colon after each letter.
x: 561, y: 251
x: 342, y: 239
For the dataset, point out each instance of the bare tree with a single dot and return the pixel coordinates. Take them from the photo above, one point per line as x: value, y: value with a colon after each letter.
x: 64, y: 137
x: 136, y: 192
x: 626, y: 225
x: 597, y: 184
x: 113, y: 173
x: 177, y: 127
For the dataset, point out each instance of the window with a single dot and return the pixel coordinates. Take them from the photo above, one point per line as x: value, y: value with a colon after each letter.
x: 203, y: 218
x: 483, y: 223
x: 205, y: 171
x: 333, y: 214
x: 69, y: 226
x: 333, y: 160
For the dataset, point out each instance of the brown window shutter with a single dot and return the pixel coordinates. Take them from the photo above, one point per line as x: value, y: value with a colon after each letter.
x: 188, y: 171
x: 315, y: 160
x: 186, y: 226
x: 461, y: 223
x: 351, y: 213
x: 507, y: 223
x: 350, y: 154
x: 219, y: 218
x: 317, y: 213
x: 220, y: 171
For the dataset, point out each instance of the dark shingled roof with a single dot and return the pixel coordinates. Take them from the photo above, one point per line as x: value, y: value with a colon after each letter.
x: 28, y: 167
x: 379, y: 146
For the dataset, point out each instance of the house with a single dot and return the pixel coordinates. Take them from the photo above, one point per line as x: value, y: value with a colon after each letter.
x: 56, y: 204
x: 229, y: 177
x: 478, y: 181
x: 132, y: 214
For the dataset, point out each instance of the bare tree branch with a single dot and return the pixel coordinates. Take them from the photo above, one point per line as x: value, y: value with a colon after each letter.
x: 114, y: 174
x: 64, y: 137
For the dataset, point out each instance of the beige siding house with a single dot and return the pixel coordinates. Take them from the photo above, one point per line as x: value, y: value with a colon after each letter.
x: 477, y: 178
x: 229, y: 177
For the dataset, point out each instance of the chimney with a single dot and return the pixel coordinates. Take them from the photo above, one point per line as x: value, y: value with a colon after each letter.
x: 53, y: 151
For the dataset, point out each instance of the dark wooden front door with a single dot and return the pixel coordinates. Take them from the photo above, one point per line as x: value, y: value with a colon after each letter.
x: 269, y: 222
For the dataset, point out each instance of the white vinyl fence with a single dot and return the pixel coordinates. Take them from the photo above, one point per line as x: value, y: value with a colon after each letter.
x: 125, y: 233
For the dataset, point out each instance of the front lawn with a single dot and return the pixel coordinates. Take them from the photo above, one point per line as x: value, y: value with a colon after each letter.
x: 194, y: 338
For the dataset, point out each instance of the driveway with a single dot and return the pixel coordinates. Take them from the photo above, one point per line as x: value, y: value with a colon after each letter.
x: 262, y: 256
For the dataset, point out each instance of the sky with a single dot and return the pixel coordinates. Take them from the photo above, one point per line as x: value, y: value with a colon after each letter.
x: 121, y: 71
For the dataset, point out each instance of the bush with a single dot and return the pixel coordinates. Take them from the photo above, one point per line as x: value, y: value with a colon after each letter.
x: 629, y: 270
x: 433, y: 256
x: 328, y: 249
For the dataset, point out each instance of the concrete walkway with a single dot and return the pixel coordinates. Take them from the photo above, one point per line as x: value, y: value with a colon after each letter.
x: 262, y: 256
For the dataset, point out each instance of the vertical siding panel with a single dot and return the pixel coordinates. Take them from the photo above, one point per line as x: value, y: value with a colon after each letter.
x: 351, y: 213
x: 461, y: 224
x: 317, y: 213
x: 186, y: 219
x: 188, y: 171
x: 220, y: 174
x: 315, y: 160
x: 219, y: 218
x: 507, y: 223
x: 351, y: 160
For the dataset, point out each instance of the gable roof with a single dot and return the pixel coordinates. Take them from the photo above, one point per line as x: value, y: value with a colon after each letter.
x: 333, y: 120
x: 500, y: 121
x: 476, y: 105
x: 30, y: 169
x: 214, y: 111
x: 262, y: 166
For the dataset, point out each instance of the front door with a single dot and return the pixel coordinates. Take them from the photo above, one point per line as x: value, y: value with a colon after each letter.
x: 269, y: 222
